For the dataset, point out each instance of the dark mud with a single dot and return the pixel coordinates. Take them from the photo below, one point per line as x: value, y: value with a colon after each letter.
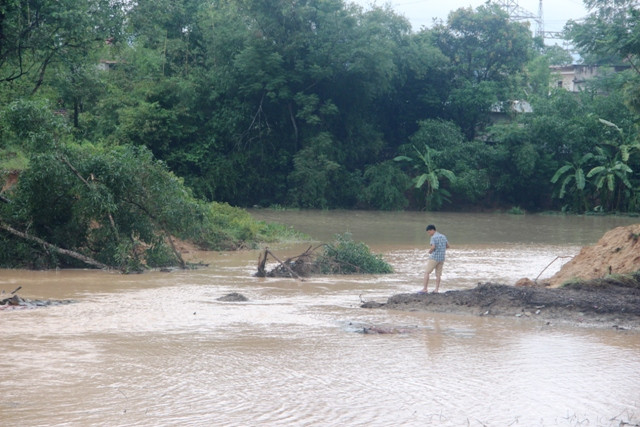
x: 603, y: 304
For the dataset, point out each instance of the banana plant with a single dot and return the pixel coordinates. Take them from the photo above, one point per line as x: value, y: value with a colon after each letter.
x: 573, y: 180
x: 626, y: 147
x: 608, y: 176
x: 612, y: 173
x: 428, y: 172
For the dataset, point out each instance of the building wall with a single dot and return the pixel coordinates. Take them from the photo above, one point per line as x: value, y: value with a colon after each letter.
x: 574, y: 77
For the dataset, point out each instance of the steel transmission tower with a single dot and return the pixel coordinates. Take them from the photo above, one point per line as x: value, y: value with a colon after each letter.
x: 516, y: 13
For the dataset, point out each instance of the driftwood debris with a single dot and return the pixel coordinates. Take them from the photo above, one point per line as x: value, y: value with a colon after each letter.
x: 17, y: 302
x: 298, y: 266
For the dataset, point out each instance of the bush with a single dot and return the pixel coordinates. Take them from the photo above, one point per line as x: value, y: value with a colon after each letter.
x: 226, y: 227
x: 516, y: 210
x: 345, y: 256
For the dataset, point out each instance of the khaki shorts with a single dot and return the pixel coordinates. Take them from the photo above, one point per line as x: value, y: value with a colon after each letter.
x: 432, y: 264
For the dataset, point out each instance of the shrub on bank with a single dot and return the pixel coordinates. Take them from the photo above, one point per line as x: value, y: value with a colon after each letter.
x: 344, y: 256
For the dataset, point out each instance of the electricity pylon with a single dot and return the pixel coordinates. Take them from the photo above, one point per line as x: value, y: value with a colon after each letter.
x: 517, y: 13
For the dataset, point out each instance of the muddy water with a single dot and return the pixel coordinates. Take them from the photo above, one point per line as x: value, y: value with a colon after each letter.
x: 159, y: 349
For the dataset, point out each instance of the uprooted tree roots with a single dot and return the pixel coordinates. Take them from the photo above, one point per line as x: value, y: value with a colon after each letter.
x: 299, y: 266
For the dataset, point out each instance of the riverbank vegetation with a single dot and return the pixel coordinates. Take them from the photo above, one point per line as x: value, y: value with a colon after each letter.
x: 123, y: 124
x: 342, y: 256
x: 114, y: 207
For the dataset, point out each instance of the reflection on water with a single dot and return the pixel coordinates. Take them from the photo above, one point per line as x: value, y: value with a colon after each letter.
x: 159, y: 349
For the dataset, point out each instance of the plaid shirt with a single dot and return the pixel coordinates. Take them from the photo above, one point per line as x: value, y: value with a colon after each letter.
x: 440, y: 242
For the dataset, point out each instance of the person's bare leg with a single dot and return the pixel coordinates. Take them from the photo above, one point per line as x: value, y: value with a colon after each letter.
x: 438, y: 270
x: 426, y: 281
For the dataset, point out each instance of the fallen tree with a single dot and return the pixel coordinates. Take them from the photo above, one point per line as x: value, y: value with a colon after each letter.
x: 49, y: 246
x: 108, y: 207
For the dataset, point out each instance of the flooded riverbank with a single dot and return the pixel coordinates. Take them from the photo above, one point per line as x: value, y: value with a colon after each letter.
x: 160, y: 349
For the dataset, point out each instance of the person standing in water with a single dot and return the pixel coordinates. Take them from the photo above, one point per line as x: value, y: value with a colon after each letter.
x: 437, y: 252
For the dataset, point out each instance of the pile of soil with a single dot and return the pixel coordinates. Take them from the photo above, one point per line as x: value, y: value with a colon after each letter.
x: 604, y: 290
x: 617, y: 252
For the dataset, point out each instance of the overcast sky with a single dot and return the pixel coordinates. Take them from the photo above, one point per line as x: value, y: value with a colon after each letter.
x: 421, y: 12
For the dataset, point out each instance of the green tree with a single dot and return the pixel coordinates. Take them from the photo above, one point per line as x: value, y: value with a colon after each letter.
x: 385, y: 185
x: 311, y: 179
x: 38, y: 35
x: 487, y: 52
x: 610, y: 35
x: 30, y: 126
x: 610, y: 31
x: 229, y: 93
x: 557, y: 55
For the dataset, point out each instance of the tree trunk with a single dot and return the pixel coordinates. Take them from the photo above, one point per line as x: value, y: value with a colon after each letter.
x: 47, y: 245
x: 176, y: 252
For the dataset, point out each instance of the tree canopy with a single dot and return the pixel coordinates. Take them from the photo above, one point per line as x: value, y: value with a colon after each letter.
x: 302, y: 104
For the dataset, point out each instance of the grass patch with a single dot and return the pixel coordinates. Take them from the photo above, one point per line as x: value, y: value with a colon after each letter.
x: 227, y: 228
x: 631, y: 281
x: 11, y: 160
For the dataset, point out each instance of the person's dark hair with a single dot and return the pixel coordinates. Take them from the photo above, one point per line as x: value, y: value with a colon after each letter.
x: 431, y: 227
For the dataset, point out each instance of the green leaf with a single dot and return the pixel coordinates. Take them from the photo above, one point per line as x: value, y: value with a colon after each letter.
x: 580, y: 179
x: 610, y: 124
x: 560, y: 172
x: 595, y: 170
x: 611, y: 185
x: 420, y: 180
x: 448, y: 174
x: 402, y: 159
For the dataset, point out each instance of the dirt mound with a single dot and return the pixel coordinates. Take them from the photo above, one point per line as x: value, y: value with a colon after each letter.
x: 617, y: 252
x: 604, y: 304
x: 10, y: 179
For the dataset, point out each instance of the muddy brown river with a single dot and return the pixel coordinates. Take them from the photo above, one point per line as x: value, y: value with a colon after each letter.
x: 159, y: 349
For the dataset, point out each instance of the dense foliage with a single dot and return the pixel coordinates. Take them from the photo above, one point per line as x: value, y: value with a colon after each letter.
x: 344, y: 256
x: 115, y: 108
x: 115, y: 205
